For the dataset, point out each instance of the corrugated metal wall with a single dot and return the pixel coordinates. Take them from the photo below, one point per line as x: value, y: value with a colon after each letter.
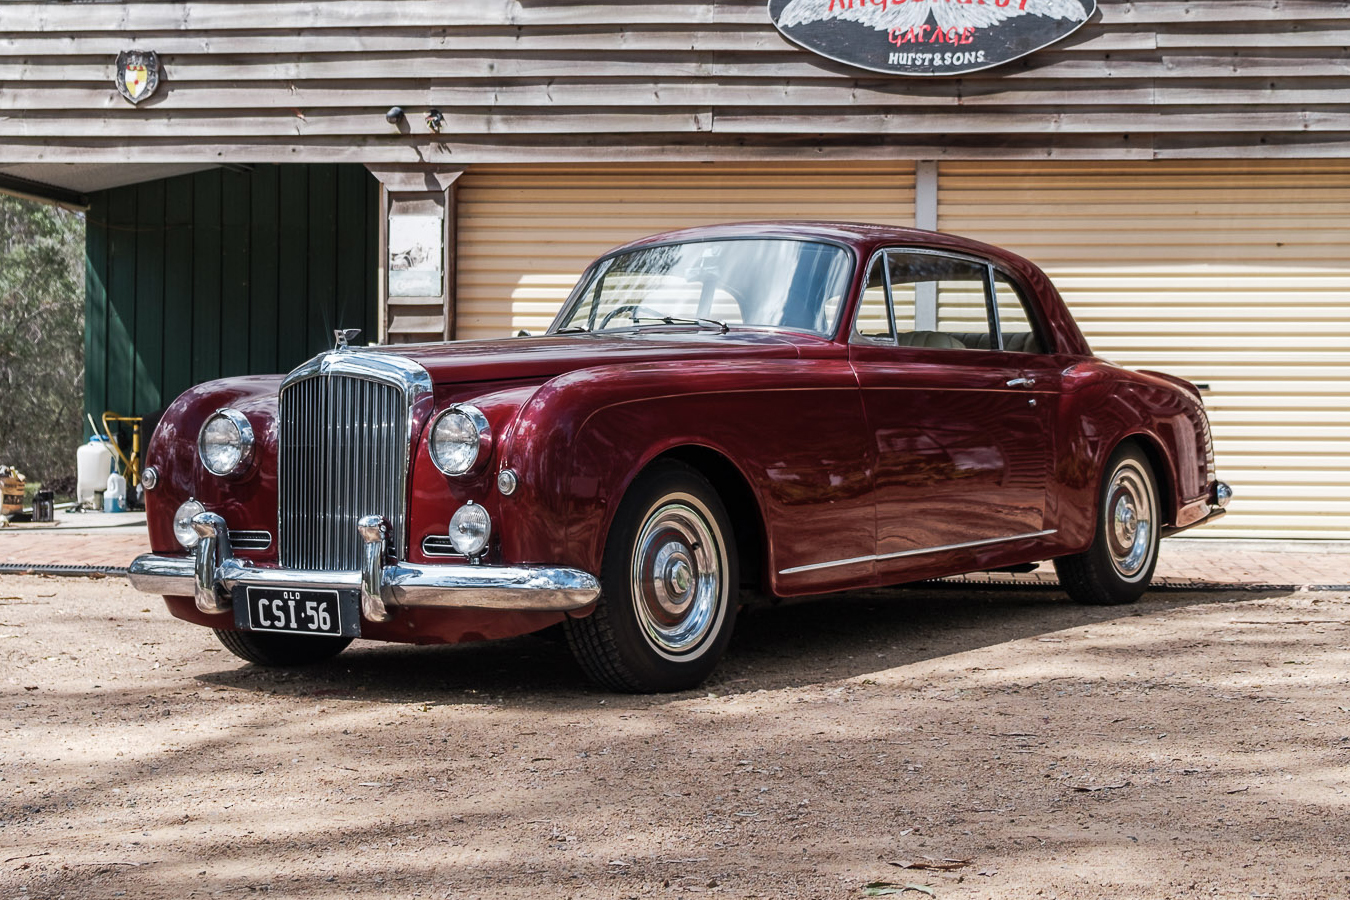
x: 223, y: 273
x: 526, y: 234
x: 1234, y: 275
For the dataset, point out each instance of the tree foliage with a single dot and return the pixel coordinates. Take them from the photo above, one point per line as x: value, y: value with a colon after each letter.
x: 41, y: 338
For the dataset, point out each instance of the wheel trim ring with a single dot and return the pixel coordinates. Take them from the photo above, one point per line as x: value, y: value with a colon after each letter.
x: 677, y: 533
x: 1130, y: 521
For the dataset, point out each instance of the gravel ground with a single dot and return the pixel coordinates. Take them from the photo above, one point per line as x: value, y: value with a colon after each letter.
x: 1196, y: 745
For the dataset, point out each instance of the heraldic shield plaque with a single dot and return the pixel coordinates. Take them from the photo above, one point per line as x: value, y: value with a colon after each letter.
x: 137, y: 74
x: 928, y: 37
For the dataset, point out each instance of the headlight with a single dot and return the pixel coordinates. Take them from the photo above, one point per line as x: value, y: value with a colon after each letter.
x: 470, y: 528
x: 182, y: 524
x: 225, y: 443
x: 459, y: 440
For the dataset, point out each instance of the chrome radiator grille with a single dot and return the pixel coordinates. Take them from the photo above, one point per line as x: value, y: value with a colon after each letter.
x: 342, y: 454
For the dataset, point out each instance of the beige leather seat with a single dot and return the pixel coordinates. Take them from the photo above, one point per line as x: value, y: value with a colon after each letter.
x: 1014, y: 341
x: 932, y: 340
x: 1022, y: 342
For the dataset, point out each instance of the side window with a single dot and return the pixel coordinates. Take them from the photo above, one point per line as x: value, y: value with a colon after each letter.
x: 945, y: 301
x: 1020, y: 334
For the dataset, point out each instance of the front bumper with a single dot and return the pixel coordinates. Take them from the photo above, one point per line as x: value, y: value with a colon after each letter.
x: 212, y: 573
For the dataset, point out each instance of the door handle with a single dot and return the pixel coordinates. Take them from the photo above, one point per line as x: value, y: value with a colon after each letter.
x: 1022, y: 382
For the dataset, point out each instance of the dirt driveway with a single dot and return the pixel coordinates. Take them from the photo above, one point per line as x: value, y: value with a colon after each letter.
x: 1193, y: 746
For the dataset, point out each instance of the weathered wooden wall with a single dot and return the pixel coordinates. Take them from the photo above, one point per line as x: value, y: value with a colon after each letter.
x: 550, y: 81
x: 223, y: 273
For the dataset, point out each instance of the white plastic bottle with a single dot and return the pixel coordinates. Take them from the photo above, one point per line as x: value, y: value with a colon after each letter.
x: 115, y: 496
x: 93, y: 465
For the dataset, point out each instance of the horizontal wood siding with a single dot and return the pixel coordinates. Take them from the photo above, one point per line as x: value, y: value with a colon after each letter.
x: 526, y: 234
x: 1235, y: 276
x: 624, y: 81
x: 206, y: 275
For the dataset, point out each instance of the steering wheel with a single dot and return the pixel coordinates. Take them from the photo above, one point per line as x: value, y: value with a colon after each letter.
x: 634, y: 309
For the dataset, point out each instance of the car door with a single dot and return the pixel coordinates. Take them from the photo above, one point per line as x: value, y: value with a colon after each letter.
x: 960, y: 424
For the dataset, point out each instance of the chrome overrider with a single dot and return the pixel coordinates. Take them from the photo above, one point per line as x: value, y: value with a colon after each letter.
x: 386, y: 585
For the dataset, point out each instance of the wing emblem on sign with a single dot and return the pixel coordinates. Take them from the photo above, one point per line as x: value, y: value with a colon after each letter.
x: 892, y: 15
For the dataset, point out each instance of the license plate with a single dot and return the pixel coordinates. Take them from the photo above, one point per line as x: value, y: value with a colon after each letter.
x: 293, y: 611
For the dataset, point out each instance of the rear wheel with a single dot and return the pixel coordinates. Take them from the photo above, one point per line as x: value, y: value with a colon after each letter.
x: 1119, y: 565
x: 281, y: 650
x: 666, y: 606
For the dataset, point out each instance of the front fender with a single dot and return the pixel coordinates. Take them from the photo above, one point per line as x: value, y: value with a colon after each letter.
x: 793, y: 428
x: 249, y: 498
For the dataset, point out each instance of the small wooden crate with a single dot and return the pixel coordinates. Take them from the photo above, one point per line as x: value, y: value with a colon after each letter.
x: 11, y: 495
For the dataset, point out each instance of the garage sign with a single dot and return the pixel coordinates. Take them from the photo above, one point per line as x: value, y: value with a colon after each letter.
x: 928, y: 37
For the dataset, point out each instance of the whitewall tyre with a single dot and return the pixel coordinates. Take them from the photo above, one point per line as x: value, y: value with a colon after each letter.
x: 668, y: 587
x: 1119, y: 565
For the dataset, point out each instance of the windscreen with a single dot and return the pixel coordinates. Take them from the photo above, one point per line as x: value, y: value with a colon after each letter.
x: 776, y: 283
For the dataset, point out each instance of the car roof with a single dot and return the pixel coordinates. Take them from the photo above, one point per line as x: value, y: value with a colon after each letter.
x: 865, y: 239
x: 860, y: 235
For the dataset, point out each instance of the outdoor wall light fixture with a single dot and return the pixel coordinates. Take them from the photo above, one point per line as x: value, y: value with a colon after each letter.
x: 395, y: 113
x: 435, y: 121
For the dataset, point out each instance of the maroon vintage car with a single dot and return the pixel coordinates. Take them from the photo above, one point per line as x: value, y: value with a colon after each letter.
x: 721, y: 414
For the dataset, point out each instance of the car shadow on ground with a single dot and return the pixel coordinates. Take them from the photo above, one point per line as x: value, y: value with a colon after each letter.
x: 815, y: 641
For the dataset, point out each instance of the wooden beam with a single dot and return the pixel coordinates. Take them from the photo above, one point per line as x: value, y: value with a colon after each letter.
x: 43, y: 193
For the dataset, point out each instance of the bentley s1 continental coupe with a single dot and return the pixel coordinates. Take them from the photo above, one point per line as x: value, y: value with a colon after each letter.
x: 716, y: 415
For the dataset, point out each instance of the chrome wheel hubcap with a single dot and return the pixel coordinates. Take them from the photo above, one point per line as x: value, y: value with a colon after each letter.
x: 677, y: 577
x: 1130, y: 520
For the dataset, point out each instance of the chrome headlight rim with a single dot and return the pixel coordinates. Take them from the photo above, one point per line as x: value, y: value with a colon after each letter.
x: 482, y: 450
x: 246, y: 442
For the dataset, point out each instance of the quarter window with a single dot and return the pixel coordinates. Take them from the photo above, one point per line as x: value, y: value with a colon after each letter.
x: 1019, y: 329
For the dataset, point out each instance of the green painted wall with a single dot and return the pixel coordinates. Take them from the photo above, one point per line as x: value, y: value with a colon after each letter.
x: 223, y: 273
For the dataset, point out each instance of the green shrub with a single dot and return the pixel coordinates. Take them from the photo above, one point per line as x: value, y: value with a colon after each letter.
x: 41, y: 338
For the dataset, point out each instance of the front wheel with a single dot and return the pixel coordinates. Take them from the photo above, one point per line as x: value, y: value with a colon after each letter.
x: 1119, y: 565
x: 668, y: 585
x: 281, y: 650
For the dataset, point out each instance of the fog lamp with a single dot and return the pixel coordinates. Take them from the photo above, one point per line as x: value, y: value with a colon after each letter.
x: 470, y: 528
x: 182, y: 523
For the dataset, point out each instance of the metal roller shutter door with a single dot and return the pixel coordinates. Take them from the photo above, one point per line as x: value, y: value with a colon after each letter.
x: 1233, y: 275
x: 526, y: 234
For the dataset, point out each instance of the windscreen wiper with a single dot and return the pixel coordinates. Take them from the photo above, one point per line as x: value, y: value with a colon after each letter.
x: 697, y: 320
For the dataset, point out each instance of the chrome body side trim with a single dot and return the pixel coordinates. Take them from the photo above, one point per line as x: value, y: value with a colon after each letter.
x: 920, y: 552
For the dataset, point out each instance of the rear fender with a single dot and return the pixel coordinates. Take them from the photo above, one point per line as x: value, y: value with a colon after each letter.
x: 1102, y: 409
